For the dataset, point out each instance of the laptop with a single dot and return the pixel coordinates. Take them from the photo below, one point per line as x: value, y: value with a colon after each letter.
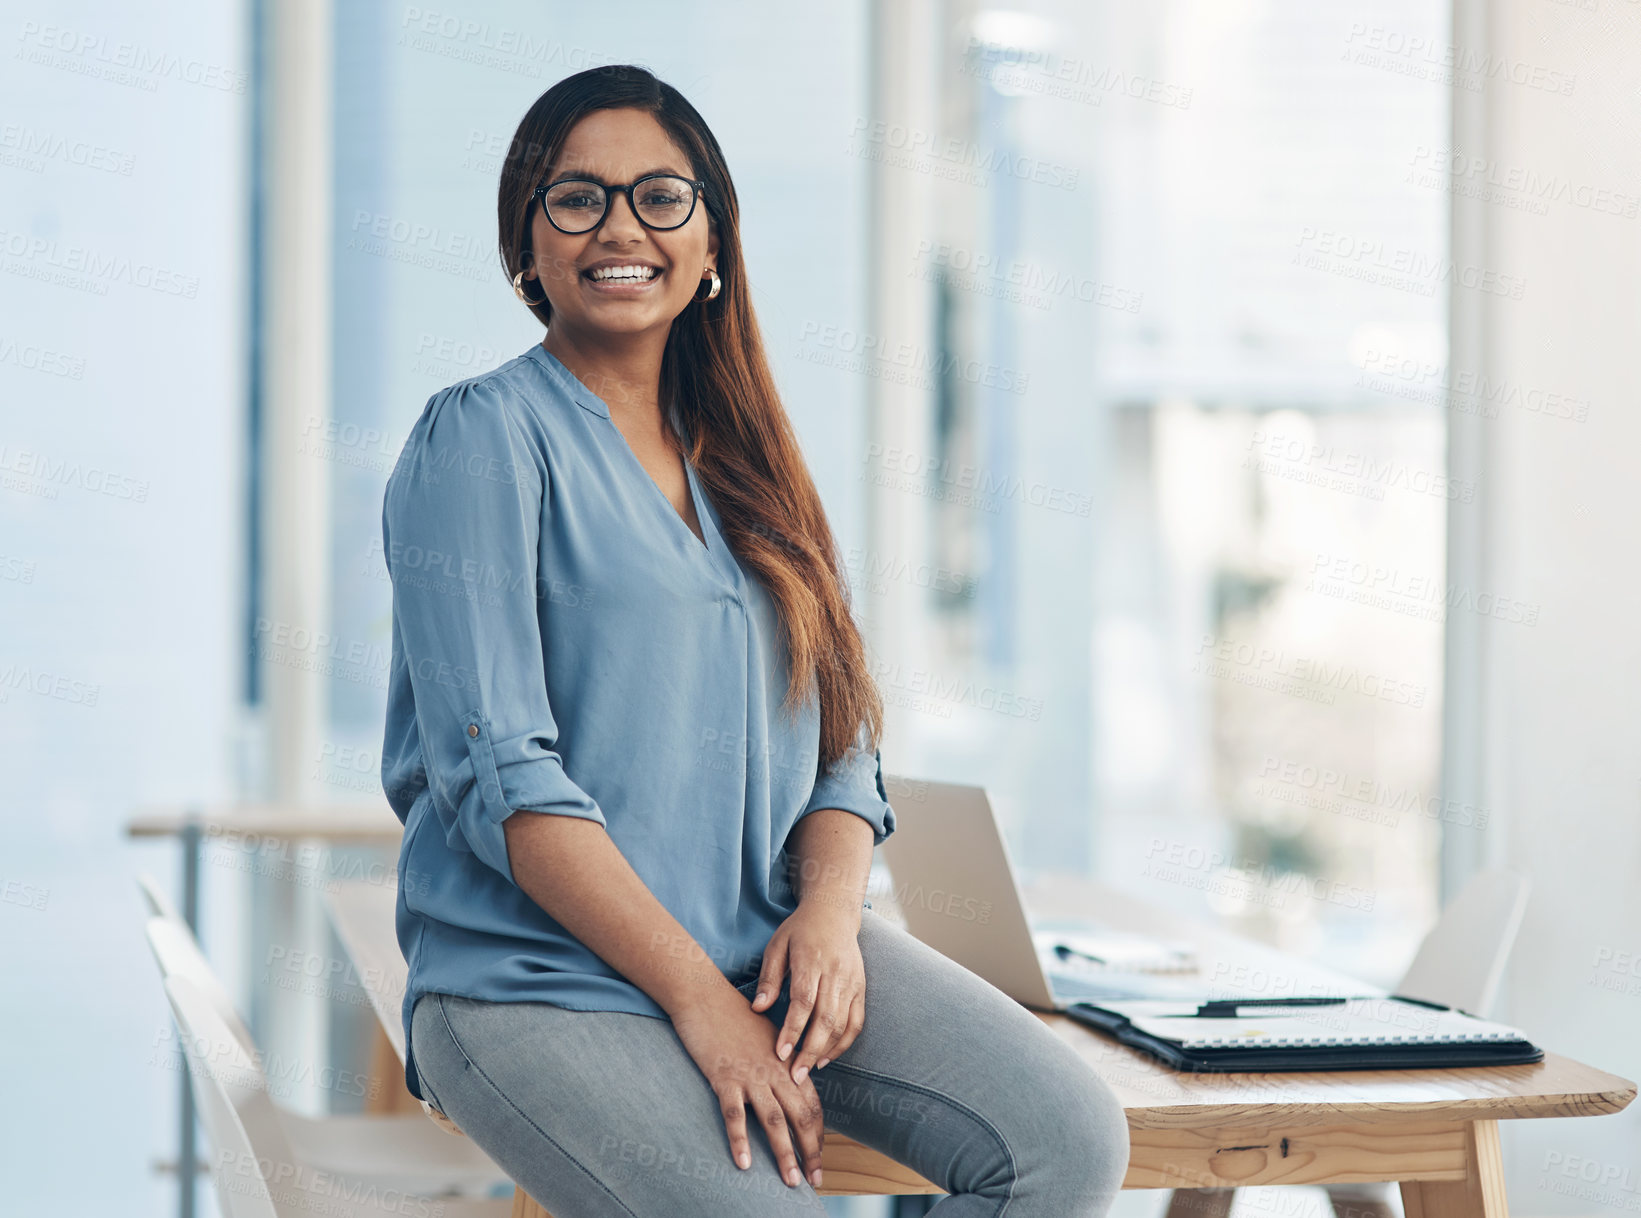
x: 957, y: 891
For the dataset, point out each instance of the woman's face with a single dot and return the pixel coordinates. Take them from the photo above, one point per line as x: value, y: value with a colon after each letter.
x: 620, y: 146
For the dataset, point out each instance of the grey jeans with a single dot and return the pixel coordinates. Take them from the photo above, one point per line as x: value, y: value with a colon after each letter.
x: 604, y: 1113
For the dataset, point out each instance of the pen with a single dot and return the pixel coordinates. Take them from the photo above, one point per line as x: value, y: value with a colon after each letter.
x: 1226, y: 1008
x: 1066, y: 952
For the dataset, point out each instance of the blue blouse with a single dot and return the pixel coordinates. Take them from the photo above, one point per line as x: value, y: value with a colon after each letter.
x: 563, y: 642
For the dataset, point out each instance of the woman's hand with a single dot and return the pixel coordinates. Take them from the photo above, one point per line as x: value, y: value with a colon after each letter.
x: 819, y: 946
x: 734, y: 1047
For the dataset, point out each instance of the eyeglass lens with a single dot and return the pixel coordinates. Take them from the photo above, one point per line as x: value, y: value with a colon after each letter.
x: 660, y: 203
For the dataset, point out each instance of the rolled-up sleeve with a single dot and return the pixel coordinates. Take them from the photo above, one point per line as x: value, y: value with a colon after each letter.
x: 461, y: 521
x: 854, y: 783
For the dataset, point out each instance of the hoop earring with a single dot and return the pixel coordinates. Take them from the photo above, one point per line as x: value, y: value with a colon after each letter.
x: 717, y: 285
x: 518, y: 290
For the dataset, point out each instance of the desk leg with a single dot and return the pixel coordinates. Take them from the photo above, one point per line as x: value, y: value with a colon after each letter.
x: 524, y: 1207
x: 1479, y: 1195
x: 1203, y: 1203
x: 391, y: 1097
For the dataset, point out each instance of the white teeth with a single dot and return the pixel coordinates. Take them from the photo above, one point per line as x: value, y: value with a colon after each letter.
x: 633, y: 274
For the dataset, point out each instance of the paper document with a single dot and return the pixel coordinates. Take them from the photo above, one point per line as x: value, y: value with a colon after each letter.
x: 1097, y: 949
x: 1354, y: 1022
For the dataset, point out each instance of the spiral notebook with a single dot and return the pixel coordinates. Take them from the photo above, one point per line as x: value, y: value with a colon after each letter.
x: 1370, y: 1033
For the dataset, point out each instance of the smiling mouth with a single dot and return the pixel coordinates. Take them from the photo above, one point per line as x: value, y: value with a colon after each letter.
x: 630, y: 275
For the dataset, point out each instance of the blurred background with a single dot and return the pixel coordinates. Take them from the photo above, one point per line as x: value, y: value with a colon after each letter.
x: 1226, y: 408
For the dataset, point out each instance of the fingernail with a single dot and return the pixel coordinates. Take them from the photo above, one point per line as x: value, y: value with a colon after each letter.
x: 744, y: 1159
x: 801, y: 1073
x: 783, y: 1051
x: 816, y: 1178
x: 821, y: 1065
x: 762, y: 994
x: 792, y: 1177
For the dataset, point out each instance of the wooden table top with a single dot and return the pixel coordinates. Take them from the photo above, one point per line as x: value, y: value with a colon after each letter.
x: 1158, y: 1097
x: 339, y: 822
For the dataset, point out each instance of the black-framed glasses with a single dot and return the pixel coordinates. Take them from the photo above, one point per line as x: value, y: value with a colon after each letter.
x: 660, y: 201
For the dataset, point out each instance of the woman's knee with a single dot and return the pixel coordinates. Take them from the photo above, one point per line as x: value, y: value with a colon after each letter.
x: 1109, y: 1125
x: 1094, y: 1134
x: 1067, y: 1130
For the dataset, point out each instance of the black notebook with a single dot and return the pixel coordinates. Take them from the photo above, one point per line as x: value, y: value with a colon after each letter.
x: 1307, y: 1034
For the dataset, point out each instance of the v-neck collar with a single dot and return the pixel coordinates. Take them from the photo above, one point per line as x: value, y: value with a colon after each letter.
x: 700, y: 508
x: 711, y: 543
x: 568, y: 381
x: 717, y: 549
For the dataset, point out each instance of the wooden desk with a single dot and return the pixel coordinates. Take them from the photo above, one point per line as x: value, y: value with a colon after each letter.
x: 351, y: 823
x: 1435, y: 1132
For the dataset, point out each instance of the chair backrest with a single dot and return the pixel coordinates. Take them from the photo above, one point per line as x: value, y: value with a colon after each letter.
x: 230, y: 1092
x: 1462, y: 959
x: 159, y: 905
x: 179, y: 955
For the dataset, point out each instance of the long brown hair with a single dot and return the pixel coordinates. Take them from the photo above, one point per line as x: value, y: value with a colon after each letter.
x: 715, y: 376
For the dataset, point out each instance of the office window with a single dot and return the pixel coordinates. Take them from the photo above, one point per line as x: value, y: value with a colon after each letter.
x: 1188, y: 277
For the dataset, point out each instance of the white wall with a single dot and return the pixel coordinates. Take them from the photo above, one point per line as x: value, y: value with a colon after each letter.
x: 122, y: 219
x: 1561, y: 707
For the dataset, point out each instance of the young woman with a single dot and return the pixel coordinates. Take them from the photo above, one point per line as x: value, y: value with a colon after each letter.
x: 633, y: 738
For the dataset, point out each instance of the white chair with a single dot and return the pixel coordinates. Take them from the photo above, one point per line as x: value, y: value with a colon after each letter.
x: 159, y: 905
x: 1458, y: 964
x: 178, y: 954
x: 408, y: 1152
x: 1461, y: 961
x: 257, y: 1172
